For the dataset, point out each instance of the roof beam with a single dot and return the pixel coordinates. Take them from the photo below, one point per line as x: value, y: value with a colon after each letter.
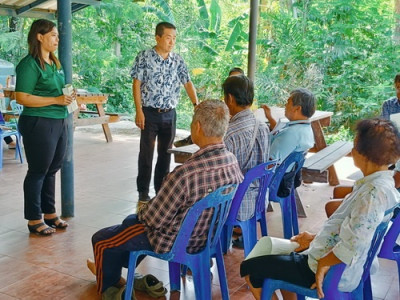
x: 88, y: 2
x: 29, y: 7
x: 29, y: 14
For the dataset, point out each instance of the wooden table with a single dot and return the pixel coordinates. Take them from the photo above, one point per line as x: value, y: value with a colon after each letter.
x: 100, y: 116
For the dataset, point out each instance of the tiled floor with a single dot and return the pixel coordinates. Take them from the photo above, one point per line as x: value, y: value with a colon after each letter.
x: 33, y: 267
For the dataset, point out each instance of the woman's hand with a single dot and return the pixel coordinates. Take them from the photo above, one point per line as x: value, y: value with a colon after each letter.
x: 319, y: 279
x: 66, y: 99
x: 304, y: 239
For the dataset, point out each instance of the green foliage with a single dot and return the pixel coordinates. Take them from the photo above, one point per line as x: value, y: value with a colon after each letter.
x: 341, y: 50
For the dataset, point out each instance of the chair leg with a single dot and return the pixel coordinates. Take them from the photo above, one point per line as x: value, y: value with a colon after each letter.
x: 286, y: 210
x: 174, y: 276
x: 201, y: 277
x: 131, y: 275
x: 249, y: 234
x: 18, y: 151
x: 295, y: 220
x: 1, y: 153
x: 223, y: 282
x: 263, y: 224
x: 226, y: 237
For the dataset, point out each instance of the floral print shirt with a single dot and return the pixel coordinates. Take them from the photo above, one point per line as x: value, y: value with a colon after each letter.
x: 349, y: 231
x: 161, y: 79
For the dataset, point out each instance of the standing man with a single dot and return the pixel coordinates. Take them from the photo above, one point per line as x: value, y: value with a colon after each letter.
x: 157, y: 77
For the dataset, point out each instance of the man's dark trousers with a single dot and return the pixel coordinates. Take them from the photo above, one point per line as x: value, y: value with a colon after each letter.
x: 160, y: 125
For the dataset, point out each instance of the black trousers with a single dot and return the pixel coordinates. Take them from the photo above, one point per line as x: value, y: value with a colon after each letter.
x: 160, y: 126
x: 291, y: 268
x: 45, y: 142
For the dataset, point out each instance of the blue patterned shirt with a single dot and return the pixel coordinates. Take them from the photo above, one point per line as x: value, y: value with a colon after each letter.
x: 237, y: 140
x: 349, y: 231
x: 391, y: 106
x: 160, y: 78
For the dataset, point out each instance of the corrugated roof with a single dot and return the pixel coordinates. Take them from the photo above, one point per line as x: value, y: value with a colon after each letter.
x: 38, y: 8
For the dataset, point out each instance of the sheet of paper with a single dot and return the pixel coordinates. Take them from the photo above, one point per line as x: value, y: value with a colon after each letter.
x: 395, y: 118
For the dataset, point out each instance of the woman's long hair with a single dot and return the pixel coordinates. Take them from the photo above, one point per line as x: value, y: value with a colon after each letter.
x: 41, y: 26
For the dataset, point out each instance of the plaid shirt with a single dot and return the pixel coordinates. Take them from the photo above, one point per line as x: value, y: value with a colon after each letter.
x: 237, y: 140
x: 389, y: 107
x: 208, y: 169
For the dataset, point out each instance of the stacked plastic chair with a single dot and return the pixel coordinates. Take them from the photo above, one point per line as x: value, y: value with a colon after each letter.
x: 263, y: 174
x: 9, y: 132
x: 199, y: 263
x: 288, y: 204
x: 332, y: 279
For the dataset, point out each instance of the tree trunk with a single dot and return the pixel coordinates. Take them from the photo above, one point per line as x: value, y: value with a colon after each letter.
x: 396, y: 35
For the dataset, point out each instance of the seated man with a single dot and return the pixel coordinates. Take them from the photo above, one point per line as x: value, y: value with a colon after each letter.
x: 297, y: 134
x: 293, y: 136
x: 246, y: 138
x: 156, y: 225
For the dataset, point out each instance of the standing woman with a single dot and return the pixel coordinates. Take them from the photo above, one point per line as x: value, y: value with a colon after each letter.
x: 43, y: 125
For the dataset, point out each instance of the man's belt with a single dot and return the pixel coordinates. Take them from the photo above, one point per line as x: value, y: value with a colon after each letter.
x: 159, y: 110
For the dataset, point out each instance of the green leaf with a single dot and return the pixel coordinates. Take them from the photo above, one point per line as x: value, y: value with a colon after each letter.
x: 203, y: 13
x: 216, y: 16
x: 237, y: 30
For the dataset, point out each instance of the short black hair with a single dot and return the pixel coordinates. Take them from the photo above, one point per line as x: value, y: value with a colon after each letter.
x: 236, y: 70
x: 378, y: 140
x: 304, y: 98
x: 240, y: 87
x: 397, y: 78
x: 160, y: 27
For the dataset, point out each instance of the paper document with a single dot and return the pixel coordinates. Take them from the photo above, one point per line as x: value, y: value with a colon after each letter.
x: 395, y: 118
x: 68, y: 90
x: 268, y: 245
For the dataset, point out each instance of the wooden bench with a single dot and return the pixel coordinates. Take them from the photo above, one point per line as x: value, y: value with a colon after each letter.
x: 315, y: 168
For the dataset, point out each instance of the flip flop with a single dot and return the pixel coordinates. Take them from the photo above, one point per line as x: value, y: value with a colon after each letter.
x: 151, y: 285
x: 114, y: 293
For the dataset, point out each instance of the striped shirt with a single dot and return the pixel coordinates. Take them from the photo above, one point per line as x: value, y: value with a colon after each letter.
x: 208, y: 169
x: 237, y: 140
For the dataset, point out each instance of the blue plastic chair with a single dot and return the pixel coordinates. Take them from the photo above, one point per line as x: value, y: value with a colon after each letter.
x: 263, y: 174
x: 288, y: 204
x: 332, y: 279
x: 5, y: 133
x: 220, y: 201
x: 390, y: 249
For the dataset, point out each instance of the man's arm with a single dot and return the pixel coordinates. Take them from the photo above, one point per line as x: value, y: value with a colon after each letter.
x: 137, y: 97
x: 191, y: 92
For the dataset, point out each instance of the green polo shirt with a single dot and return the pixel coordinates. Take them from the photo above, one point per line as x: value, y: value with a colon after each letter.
x: 32, y: 79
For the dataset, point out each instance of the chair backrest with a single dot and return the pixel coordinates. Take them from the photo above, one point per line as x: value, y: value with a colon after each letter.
x: 16, y: 107
x: 263, y: 173
x: 334, y: 275
x: 295, y: 157
x: 220, y: 201
x: 389, y: 242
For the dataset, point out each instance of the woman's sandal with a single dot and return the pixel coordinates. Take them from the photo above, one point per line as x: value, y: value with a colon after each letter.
x: 45, y: 232
x: 56, y: 223
x: 151, y: 285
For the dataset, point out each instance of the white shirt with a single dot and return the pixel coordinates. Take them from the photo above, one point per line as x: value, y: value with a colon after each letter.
x: 349, y: 231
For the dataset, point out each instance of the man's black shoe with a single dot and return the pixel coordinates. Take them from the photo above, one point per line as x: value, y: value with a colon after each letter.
x: 144, y: 197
